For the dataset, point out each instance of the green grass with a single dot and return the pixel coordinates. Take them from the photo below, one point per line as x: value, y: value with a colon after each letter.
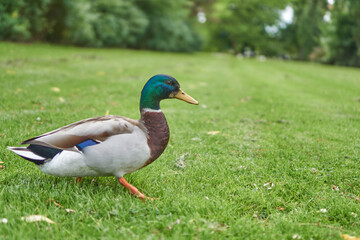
x: 295, y: 125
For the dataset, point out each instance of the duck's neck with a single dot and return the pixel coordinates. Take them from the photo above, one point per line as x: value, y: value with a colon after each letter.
x: 158, y: 131
x: 149, y: 100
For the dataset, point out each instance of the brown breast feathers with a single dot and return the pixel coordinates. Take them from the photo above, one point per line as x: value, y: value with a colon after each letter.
x: 158, y: 133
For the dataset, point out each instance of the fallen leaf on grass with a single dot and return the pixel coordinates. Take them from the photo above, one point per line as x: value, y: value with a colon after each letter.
x: 269, y: 185
x: 280, y: 208
x: 314, y: 170
x: 55, y: 89
x: 213, y: 132
x: 335, y: 188
x: 61, y: 99
x: 68, y: 210
x: 37, y: 218
x: 296, y: 236
x: 246, y: 99
x: 107, y: 112
x: 3, y: 220
x: 53, y: 201
x: 321, y: 140
x: 180, y: 162
x: 1, y: 162
x: 348, y: 237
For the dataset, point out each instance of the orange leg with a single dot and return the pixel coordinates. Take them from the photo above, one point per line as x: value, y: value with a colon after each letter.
x: 133, y: 189
x: 77, y: 179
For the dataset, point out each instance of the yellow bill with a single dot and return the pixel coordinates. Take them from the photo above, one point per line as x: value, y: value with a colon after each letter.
x: 184, y: 97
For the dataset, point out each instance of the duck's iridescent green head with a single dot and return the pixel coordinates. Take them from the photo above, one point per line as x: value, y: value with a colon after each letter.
x: 161, y: 87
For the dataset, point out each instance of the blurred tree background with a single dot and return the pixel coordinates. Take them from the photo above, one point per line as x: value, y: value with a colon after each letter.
x: 326, y: 31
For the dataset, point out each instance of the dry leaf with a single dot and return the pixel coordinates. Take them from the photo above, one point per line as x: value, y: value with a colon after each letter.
x: 335, y: 188
x: 107, y: 112
x: 213, y: 132
x: 348, y: 237
x: 269, y: 185
x: 61, y: 99
x: 55, y: 89
x: 37, y: 218
x: 321, y: 140
x: 296, y: 236
x: 3, y: 220
x: 68, y: 210
x: 52, y: 200
x: 1, y: 162
x: 180, y: 162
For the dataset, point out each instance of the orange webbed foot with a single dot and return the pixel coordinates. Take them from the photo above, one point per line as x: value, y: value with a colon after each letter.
x: 134, y: 190
x: 78, y: 179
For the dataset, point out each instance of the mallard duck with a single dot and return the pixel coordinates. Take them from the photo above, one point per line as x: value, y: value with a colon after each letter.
x: 108, y: 145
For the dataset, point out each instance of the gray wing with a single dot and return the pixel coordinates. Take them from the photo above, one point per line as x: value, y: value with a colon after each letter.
x: 98, y: 129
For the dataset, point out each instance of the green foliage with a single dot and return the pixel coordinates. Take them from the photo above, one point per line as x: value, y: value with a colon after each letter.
x: 336, y: 42
x: 344, y: 33
x: 167, y: 30
x: 79, y: 24
x: 34, y: 12
x: 232, y: 25
x: 301, y: 37
x: 168, y: 34
x: 119, y: 23
x: 13, y: 26
x: 159, y: 25
x: 239, y: 24
x: 309, y: 17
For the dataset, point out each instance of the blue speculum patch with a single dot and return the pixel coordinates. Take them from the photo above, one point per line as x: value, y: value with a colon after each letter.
x: 85, y: 144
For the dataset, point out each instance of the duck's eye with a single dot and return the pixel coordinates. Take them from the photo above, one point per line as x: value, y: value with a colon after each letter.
x: 168, y: 82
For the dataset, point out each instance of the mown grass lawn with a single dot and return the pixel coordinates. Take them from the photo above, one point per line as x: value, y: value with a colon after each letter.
x: 271, y: 152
